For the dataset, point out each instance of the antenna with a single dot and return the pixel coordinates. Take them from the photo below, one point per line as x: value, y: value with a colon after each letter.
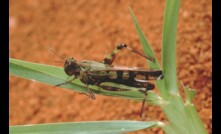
x: 52, y: 51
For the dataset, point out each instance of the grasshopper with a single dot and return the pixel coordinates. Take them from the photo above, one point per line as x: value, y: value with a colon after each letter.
x: 106, y: 76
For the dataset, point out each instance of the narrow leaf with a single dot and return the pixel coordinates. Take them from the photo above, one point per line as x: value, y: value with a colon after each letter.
x: 145, y: 43
x: 53, y: 75
x: 93, y: 127
x: 169, y: 45
x: 149, y: 51
x: 189, y: 93
x: 194, y: 120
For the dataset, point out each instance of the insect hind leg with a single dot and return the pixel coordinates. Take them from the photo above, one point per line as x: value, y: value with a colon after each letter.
x: 146, y: 86
x: 110, y: 58
x: 144, y: 100
x: 139, y: 84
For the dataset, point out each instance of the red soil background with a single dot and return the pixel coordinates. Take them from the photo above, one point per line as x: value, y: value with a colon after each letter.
x: 89, y: 30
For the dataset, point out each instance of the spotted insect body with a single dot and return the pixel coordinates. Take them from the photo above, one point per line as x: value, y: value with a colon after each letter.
x: 108, y: 77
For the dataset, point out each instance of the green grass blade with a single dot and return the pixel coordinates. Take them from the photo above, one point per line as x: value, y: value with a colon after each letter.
x: 189, y: 93
x: 50, y: 75
x: 149, y: 51
x: 171, y: 130
x: 53, y: 75
x: 93, y: 127
x: 145, y: 43
x: 182, y: 118
x: 169, y: 45
x: 194, y: 120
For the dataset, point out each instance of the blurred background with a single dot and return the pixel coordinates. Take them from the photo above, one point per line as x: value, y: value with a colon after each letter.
x: 89, y: 30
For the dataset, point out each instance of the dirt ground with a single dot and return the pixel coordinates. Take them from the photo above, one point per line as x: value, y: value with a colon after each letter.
x: 89, y: 30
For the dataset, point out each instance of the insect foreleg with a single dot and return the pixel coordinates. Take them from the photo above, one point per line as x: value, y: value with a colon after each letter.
x: 66, y: 82
x: 85, y: 78
x: 110, y: 58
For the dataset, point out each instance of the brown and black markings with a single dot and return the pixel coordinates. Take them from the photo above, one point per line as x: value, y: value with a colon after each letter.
x: 97, y: 73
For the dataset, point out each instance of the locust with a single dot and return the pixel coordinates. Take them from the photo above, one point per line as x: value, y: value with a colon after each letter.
x: 108, y: 77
